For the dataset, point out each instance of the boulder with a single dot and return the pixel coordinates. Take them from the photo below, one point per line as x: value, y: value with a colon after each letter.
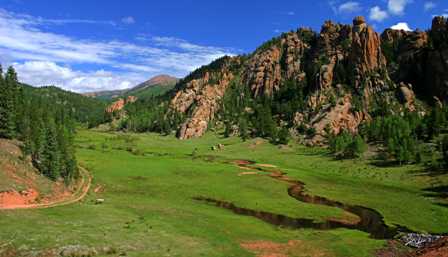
x: 419, y: 240
x: 407, y: 96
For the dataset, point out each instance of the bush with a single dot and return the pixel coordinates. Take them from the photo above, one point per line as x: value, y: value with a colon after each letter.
x: 345, y: 145
x: 311, y: 132
x: 283, y: 136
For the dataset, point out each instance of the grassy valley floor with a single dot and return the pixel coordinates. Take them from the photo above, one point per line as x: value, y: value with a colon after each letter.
x: 149, y: 181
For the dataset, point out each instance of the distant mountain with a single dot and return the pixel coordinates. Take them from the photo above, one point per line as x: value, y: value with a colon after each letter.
x: 105, y: 94
x: 154, y: 86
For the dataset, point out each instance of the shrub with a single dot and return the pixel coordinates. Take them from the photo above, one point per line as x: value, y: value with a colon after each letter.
x: 283, y: 136
x: 345, y: 145
x: 311, y: 132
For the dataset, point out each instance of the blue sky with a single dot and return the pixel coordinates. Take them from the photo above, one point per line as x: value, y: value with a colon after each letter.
x: 86, y: 45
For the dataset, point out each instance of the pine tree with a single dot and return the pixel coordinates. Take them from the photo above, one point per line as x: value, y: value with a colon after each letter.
x: 244, y: 129
x: 358, y: 146
x: 8, y: 110
x: 3, y: 106
x: 51, y: 153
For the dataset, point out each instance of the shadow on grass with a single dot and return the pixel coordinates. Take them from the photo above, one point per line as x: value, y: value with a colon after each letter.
x: 438, y: 191
x: 443, y: 204
x: 431, y: 172
x: 384, y: 163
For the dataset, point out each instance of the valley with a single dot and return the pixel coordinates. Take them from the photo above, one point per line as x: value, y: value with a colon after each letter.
x: 117, y: 138
x: 149, y: 184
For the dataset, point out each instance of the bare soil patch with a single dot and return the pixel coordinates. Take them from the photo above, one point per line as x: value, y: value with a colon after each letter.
x: 293, y: 248
x: 247, y: 173
x: 61, y: 195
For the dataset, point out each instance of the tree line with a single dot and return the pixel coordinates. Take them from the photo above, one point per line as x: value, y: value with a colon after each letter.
x: 407, y: 138
x: 45, y: 128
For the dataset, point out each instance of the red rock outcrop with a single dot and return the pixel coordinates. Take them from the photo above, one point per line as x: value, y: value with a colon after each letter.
x: 333, y: 47
x: 120, y: 103
x: 206, y: 98
x: 338, y: 118
x: 201, y: 95
x: 366, y: 54
x: 266, y: 70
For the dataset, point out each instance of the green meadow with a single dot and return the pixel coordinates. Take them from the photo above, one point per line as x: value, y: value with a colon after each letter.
x: 149, y: 181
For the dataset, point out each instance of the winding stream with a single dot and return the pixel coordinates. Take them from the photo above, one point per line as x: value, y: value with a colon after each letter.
x: 370, y: 221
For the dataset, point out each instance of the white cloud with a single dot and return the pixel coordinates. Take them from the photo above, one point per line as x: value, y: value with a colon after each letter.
x: 291, y: 13
x: 376, y: 14
x: 429, y: 5
x: 128, y: 20
x: 41, y: 73
x: 349, y: 7
x: 32, y: 45
x: 401, y: 26
x: 397, y: 7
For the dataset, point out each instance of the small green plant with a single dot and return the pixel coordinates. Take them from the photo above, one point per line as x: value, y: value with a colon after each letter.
x: 311, y: 132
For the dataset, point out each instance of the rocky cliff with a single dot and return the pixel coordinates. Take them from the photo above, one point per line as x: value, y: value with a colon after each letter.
x: 200, y: 97
x: 120, y: 104
x: 345, y: 71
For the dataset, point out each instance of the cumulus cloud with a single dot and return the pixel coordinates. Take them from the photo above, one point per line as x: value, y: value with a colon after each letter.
x: 397, y: 7
x: 31, y: 48
x: 44, y: 73
x: 349, y: 7
x: 128, y: 20
x: 376, y: 14
x: 401, y: 26
x: 429, y: 6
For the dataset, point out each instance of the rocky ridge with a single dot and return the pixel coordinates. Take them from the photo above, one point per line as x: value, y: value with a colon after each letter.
x: 344, y: 70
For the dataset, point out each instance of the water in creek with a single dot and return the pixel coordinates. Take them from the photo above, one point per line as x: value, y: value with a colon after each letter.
x: 370, y: 221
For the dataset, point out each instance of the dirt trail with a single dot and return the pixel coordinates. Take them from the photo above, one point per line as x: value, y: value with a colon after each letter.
x: 81, y: 192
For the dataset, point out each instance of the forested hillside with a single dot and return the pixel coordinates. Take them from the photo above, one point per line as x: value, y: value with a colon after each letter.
x: 85, y: 110
x: 44, y: 120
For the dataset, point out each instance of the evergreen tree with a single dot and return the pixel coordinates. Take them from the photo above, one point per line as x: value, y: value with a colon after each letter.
x: 3, y: 106
x: 244, y: 129
x: 358, y: 146
x: 8, y: 101
x: 46, y: 128
x: 283, y: 136
x: 51, y: 155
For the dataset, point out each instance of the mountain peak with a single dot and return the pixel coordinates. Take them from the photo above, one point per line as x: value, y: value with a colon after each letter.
x: 161, y: 80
